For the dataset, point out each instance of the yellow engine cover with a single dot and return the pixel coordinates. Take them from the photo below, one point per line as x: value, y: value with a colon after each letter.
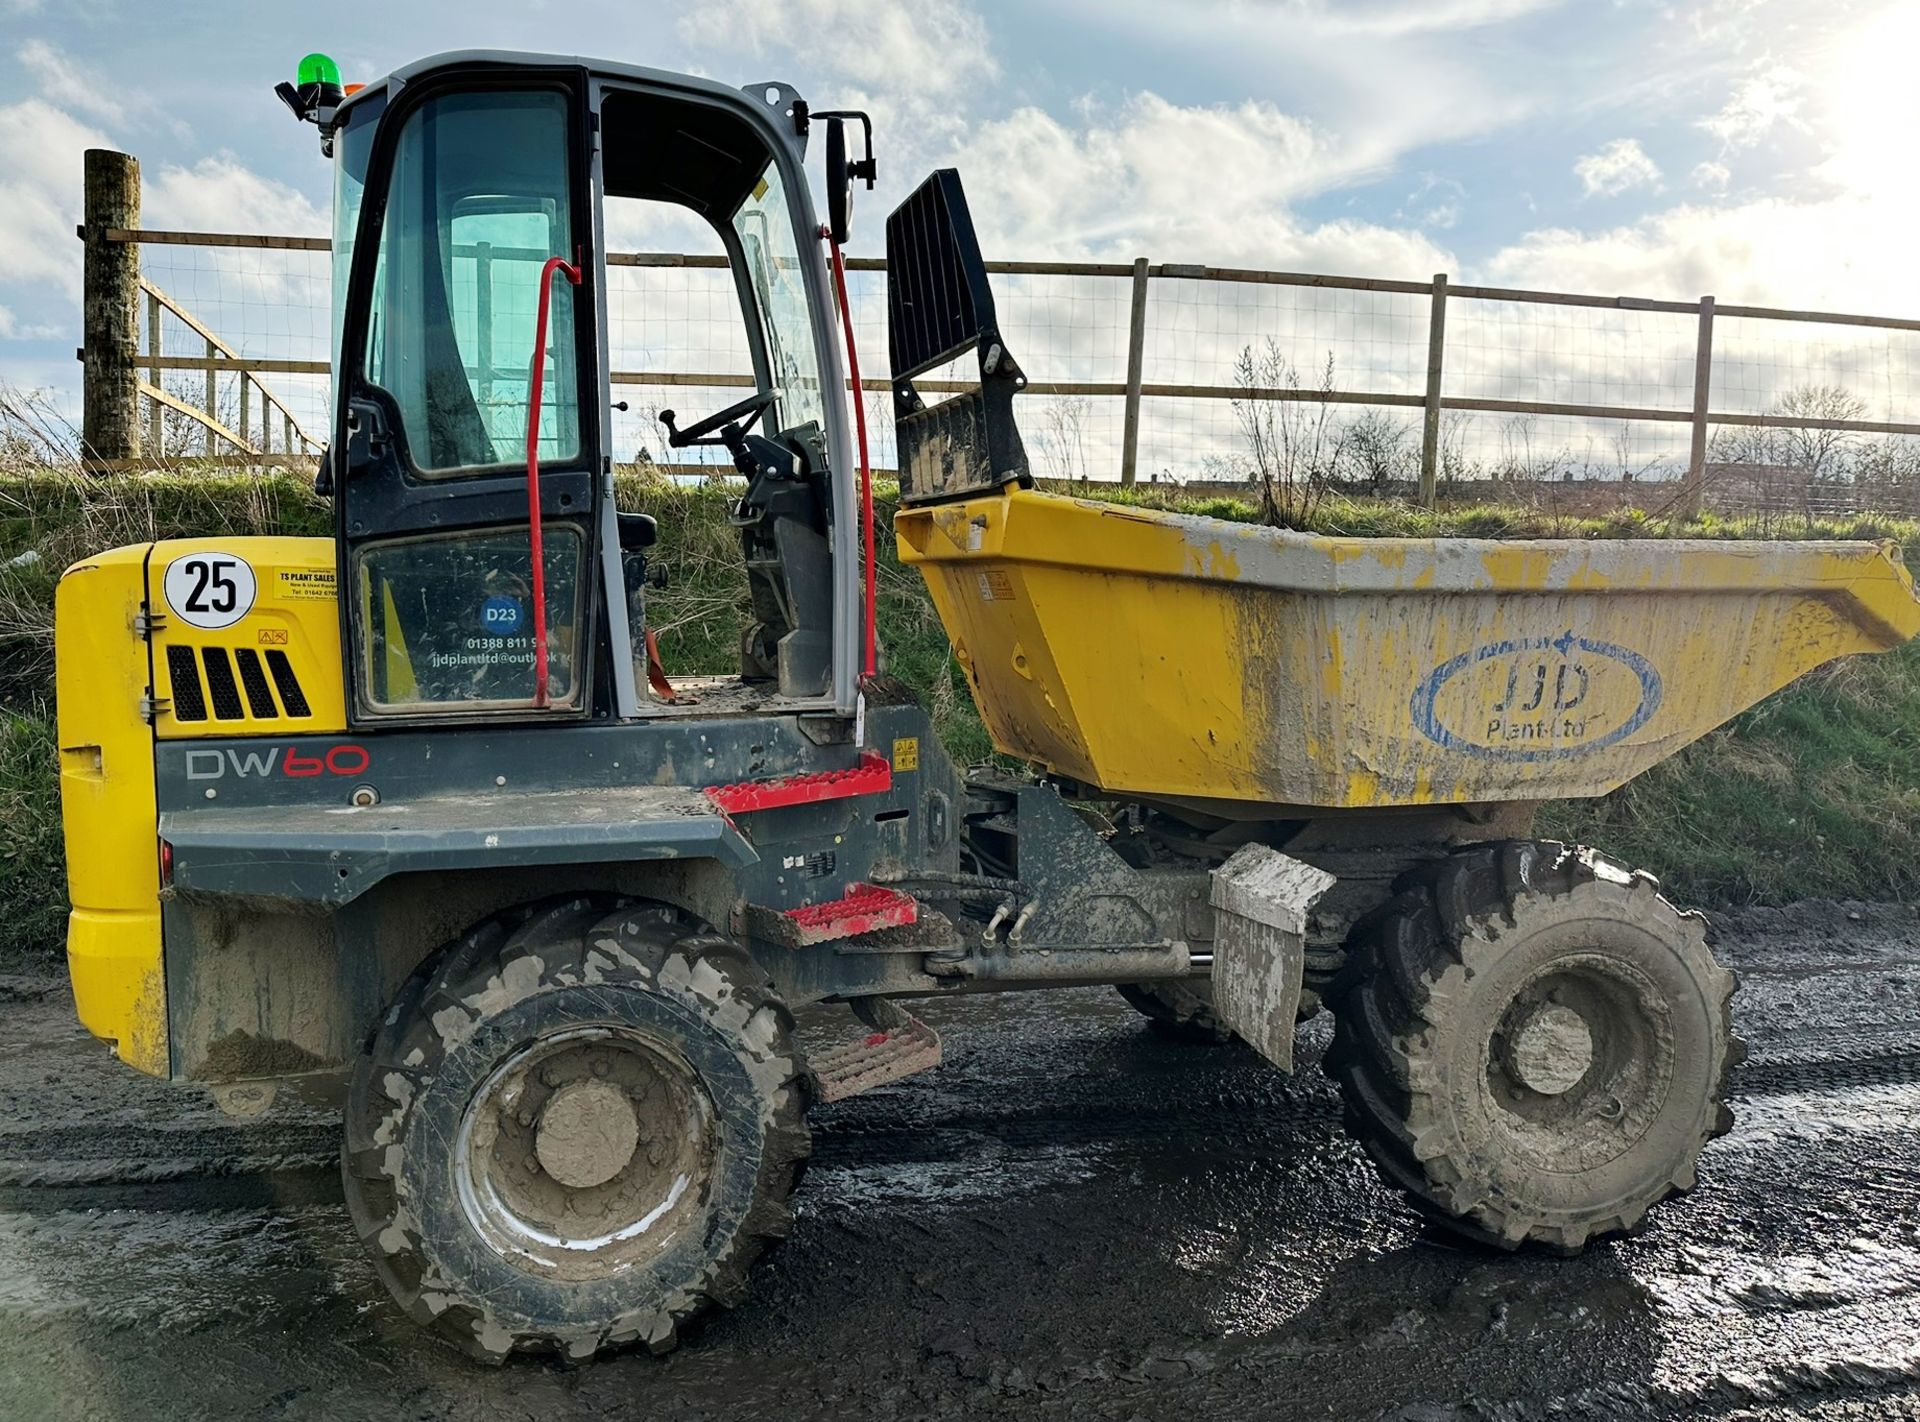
x: 246, y: 638
x: 191, y: 638
x: 107, y: 807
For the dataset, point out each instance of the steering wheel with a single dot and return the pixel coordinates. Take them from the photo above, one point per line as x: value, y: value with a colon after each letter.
x: 743, y: 414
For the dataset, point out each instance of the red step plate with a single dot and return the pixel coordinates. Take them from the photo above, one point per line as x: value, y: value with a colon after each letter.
x: 872, y: 776
x: 867, y: 908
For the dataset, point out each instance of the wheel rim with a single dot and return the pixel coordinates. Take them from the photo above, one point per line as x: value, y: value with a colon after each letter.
x: 1580, y: 1062
x: 586, y: 1153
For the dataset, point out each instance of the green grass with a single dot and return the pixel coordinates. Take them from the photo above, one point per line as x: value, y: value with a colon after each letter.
x: 32, y: 858
x: 1816, y: 792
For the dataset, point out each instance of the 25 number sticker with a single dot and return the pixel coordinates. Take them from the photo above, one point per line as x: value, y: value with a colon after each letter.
x: 210, y: 590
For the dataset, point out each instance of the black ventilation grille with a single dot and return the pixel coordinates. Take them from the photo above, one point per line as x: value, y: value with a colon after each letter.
x: 220, y: 685
x: 291, y: 696
x: 259, y: 699
x: 183, y: 673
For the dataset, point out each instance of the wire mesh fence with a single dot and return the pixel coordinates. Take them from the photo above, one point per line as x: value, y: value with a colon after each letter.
x: 1232, y: 377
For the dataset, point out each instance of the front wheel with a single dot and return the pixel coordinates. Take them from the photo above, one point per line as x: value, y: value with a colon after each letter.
x: 1534, y: 1045
x: 576, y: 1132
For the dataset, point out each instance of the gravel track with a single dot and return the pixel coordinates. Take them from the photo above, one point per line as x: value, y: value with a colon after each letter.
x: 1074, y: 1218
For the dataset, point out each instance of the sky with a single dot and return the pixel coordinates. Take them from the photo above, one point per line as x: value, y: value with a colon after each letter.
x: 1755, y: 149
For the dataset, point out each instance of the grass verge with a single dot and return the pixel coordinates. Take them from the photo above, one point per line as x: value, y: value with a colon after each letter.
x: 1816, y: 792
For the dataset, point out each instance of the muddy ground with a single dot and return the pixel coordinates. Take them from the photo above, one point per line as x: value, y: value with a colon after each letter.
x: 1075, y: 1217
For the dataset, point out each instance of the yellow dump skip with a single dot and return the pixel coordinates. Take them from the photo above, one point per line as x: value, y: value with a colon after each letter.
x: 1168, y: 655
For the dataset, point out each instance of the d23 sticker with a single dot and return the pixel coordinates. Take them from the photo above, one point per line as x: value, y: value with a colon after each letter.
x: 1537, y: 698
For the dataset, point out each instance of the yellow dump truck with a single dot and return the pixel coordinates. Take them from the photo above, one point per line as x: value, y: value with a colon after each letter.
x: 413, y: 815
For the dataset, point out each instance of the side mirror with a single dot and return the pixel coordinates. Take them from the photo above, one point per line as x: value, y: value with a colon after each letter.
x: 839, y: 183
x: 841, y: 171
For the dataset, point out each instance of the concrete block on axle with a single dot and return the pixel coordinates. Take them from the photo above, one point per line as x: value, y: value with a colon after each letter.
x: 1261, y: 899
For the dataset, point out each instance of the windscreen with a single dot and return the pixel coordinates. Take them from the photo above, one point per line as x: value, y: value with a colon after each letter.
x: 478, y: 201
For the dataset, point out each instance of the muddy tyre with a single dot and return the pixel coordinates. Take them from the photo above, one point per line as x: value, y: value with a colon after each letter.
x: 1180, y: 1009
x: 1534, y: 1045
x: 575, y: 1131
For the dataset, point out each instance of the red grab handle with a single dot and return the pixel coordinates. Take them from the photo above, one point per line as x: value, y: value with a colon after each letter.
x: 869, y: 659
x: 535, y: 379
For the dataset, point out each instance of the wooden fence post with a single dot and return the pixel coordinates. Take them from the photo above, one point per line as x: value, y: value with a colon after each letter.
x: 110, y: 417
x: 213, y: 394
x: 1136, y: 363
x: 156, y: 424
x: 1430, y: 434
x: 1702, y: 390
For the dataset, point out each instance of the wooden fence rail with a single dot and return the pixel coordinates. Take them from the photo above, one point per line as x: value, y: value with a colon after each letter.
x: 113, y: 237
x: 219, y: 357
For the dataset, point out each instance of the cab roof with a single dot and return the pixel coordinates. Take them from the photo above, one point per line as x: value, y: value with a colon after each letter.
x: 773, y: 99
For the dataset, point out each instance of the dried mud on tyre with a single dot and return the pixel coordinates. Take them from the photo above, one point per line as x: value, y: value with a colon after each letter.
x: 576, y: 1133
x: 1535, y: 1045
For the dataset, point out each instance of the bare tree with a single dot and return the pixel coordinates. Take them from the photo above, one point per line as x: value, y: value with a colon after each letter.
x: 1817, y: 451
x: 1886, y: 472
x: 1625, y: 465
x: 1516, y: 449
x: 1063, y: 438
x: 1293, y: 446
x: 1378, y: 447
x: 1455, y: 427
x: 1784, y: 466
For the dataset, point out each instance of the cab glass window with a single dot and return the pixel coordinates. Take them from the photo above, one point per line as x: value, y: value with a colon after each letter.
x: 447, y: 621
x: 773, y: 257
x: 478, y: 201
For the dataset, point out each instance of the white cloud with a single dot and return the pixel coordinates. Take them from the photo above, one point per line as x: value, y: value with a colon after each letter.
x: 1711, y: 177
x: 1618, y: 167
x: 1766, y: 99
x: 69, y: 85
x: 933, y: 47
x: 1146, y: 179
x: 1393, y: 18
x: 1386, y: 75
x: 217, y: 193
x: 1435, y: 204
x: 12, y: 328
x: 1770, y: 251
x: 40, y: 162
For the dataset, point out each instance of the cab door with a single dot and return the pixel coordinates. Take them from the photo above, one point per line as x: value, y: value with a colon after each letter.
x: 474, y: 180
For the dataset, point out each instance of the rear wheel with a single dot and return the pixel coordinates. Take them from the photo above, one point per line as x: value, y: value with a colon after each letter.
x: 1534, y: 1045
x: 575, y: 1132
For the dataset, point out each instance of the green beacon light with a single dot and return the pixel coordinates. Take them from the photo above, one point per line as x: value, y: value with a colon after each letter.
x: 318, y: 69
x: 317, y: 94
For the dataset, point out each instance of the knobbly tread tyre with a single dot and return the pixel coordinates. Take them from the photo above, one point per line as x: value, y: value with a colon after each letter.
x: 1179, y: 1010
x: 518, y: 964
x: 1412, y: 964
